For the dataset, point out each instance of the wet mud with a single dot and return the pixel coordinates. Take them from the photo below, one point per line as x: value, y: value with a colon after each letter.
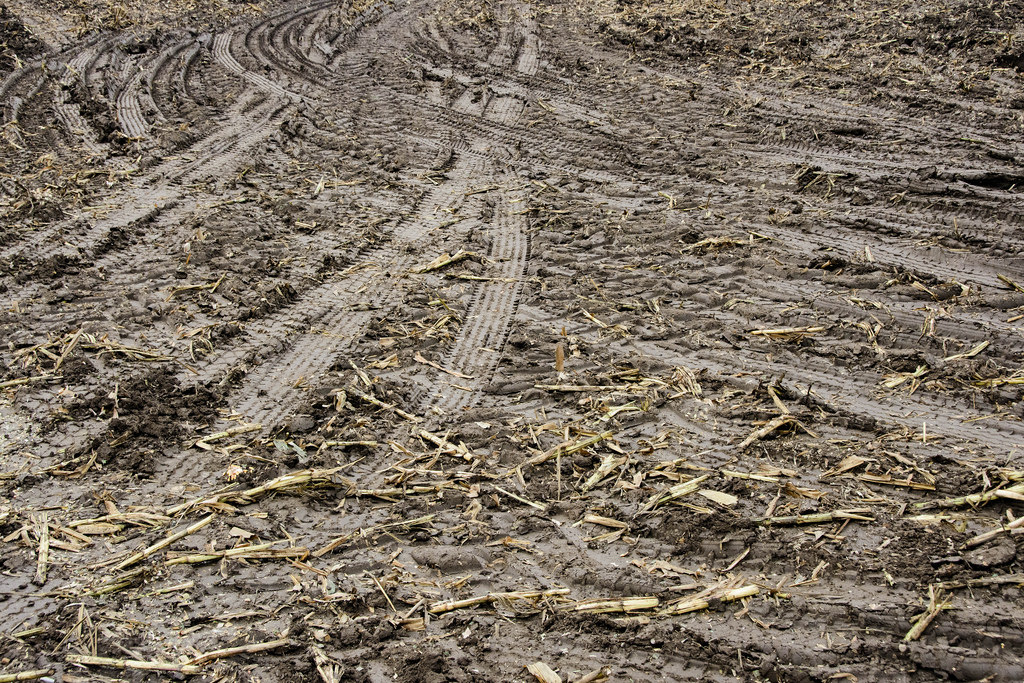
x: 430, y: 341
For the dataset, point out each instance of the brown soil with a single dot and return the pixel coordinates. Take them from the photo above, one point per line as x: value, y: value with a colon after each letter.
x: 492, y: 282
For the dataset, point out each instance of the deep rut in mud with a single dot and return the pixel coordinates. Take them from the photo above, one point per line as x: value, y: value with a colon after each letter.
x: 648, y: 340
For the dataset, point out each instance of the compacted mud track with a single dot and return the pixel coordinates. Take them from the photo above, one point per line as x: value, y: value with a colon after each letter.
x: 431, y: 341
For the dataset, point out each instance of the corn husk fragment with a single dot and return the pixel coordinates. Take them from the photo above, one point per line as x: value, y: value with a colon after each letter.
x: 543, y: 673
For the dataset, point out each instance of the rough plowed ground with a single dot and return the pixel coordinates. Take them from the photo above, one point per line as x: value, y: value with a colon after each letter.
x: 426, y: 341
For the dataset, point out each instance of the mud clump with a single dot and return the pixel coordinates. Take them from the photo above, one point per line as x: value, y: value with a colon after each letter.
x: 17, y: 44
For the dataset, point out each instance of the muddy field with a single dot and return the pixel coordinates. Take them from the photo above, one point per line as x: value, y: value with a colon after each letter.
x: 630, y: 340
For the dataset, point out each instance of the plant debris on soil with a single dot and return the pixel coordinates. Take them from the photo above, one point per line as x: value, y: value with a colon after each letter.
x: 512, y: 340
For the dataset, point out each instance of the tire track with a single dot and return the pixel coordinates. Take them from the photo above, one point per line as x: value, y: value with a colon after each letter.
x: 129, y: 104
x: 222, y: 53
x: 464, y: 117
x: 289, y: 43
x: 904, y: 254
x: 477, y: 349
x: 866, y: 151
x: 169, y: 69
x: 294, y: 349
x: 855, y: 394
x: 887, y: 178
x: 218, y: 151
x: 68, y: 112
x: 847, y: 230
x: 902, y: 321
x: 787, y: 103
x: 253, y: 119
x: 326, y: 323
x: 28, y: 80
